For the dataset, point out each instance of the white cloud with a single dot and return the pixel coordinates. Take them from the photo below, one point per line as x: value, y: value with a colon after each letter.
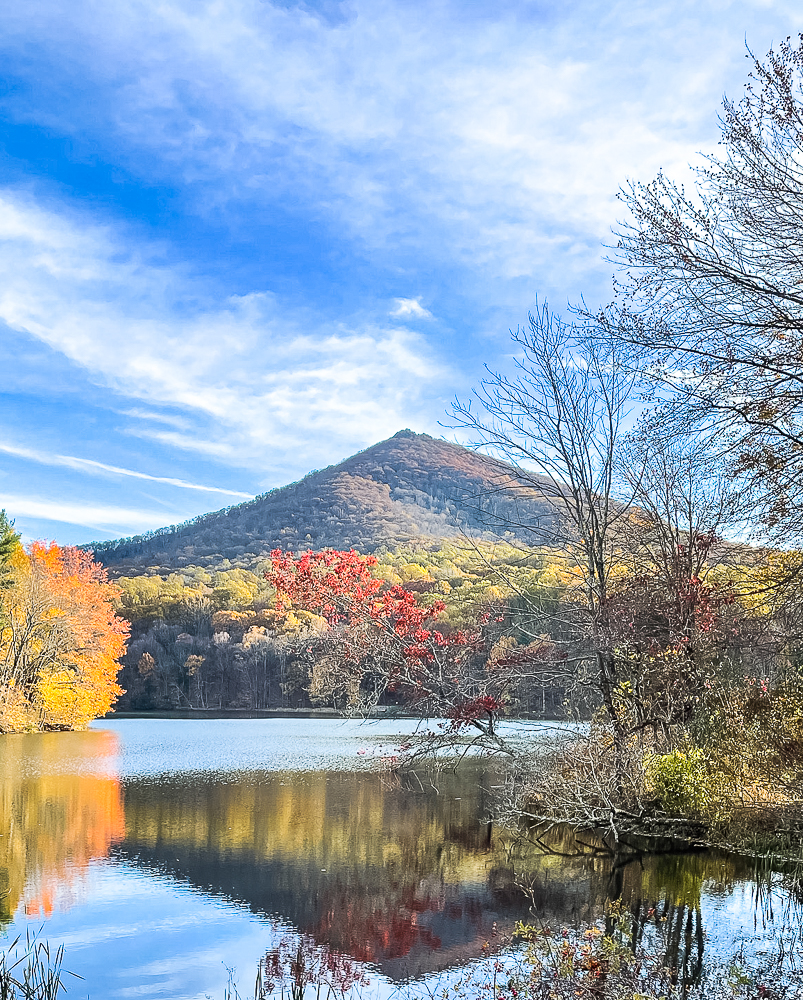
x: 100, y: 468
x: 108, y: 519
x: 410, y: 308
x: 465, y: 134
x: 250, y: 376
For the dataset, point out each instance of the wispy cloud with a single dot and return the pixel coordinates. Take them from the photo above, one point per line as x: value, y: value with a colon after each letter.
x: 524, y: 123
x: 107, y: 519
x: 249, y: 371
x: 482, y: 151
x: 101, y: 468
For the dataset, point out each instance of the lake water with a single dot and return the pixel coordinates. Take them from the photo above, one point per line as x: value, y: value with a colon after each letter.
x: 163, y: 852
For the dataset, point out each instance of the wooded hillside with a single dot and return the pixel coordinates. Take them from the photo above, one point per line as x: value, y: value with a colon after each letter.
x: 411, y: 488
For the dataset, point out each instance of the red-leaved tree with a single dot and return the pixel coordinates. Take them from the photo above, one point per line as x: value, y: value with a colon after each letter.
x: 382, y: 643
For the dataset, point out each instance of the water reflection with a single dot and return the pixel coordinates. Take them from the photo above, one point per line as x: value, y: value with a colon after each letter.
x: 666, y: 903
x: 408, y: 876
x: 53, y: 824
x: 406, y: 879
x: 662, y: 893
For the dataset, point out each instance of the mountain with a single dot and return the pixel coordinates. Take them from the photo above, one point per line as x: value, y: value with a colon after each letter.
x: 409, y: 490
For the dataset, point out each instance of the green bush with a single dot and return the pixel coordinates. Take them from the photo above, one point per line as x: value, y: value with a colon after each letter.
x: 683, y: 783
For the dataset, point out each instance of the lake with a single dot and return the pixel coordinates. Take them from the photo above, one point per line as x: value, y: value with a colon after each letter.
x: 163, y: 852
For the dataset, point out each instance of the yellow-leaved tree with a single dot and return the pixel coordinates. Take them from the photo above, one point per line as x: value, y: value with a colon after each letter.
x: 59, y: 640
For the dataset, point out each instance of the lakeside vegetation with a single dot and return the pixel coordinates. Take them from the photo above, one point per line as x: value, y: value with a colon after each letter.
x: 709, y: 680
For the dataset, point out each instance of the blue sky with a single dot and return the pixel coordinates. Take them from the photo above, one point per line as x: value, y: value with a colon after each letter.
x: 241, y: 239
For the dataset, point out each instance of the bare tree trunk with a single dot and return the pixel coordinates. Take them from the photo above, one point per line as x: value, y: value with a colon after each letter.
x: 562, y: 414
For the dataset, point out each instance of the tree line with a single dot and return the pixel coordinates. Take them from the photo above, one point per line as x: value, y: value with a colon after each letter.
x: 227, y: 639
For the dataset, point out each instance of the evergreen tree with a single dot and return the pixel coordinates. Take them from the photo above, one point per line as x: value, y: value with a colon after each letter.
x: 9, y: 540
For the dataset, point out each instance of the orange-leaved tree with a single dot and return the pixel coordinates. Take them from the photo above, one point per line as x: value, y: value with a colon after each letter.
x: 59, y: 640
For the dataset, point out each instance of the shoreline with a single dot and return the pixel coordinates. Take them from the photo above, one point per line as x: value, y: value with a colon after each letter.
x: 381, y: 712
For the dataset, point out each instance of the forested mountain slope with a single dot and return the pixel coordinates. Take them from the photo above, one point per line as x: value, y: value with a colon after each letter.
x: 410, y: 489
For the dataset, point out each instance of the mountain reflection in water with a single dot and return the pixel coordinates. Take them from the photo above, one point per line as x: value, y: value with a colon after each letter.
x: 407, y: 876
x: 401, y: 878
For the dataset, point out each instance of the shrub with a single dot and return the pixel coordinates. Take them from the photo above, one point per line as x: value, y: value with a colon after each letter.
x: 684, y: 784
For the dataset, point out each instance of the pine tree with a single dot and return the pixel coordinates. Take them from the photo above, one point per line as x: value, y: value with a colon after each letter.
x: 9, y: 540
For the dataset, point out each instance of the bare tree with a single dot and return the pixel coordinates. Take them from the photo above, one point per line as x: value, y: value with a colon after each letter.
x: 685, y: 505
x: 561, y: 416
x: 674, y: 616
x: 712, y: 291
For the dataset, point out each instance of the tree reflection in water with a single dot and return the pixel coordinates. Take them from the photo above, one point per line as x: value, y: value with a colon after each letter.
x: 298, y: 961
x: 662, y: 892
x: 408, y: 877
x: 668, y: 908
x: 52, y: 823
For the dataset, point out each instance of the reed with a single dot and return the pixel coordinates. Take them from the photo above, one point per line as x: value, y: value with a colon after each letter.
x: 30, y: 970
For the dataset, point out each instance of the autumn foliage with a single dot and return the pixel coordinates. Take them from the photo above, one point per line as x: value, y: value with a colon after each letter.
x: 60, y: 640
x: 336, y: 585
x: 382, y: 640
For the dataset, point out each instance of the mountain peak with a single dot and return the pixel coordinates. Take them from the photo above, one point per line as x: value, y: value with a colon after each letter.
x: 411, y: 489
